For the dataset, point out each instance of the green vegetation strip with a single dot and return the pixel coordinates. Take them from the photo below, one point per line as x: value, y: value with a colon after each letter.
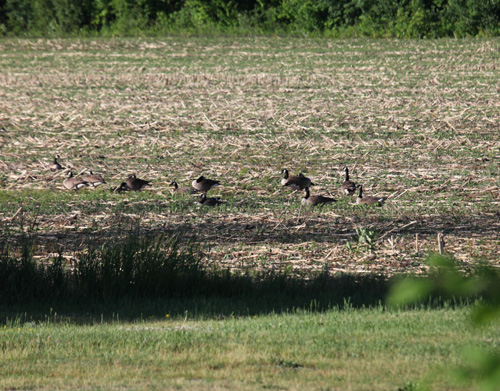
x: 369, y: 349
x: 340, y: 18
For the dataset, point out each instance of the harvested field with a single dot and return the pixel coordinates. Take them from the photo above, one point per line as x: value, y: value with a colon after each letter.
x: 415, y: 121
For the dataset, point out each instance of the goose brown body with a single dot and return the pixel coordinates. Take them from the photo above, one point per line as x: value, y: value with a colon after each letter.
x: 133, y: 183
x: 203, y: 184
x: 74, y: 183
x: 369, y: 200
x: 94, y: 180
x: 299, y: 182
x: 348, y: 187
x: 209, y: 201
x: 182, y: 189
x: 314, y: 200
x: 55, y: 165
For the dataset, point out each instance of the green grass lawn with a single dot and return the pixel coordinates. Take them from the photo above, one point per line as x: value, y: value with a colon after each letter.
x: 368, y: 349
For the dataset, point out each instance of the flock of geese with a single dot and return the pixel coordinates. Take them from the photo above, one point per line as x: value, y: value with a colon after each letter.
x: 203, y: 185
x: 348, y: 187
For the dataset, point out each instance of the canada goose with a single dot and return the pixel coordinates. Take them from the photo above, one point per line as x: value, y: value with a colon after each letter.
x: 94, y: 180
x: 183, y: 189
x: 133, y: 183
x: 204, y: 184
x: 369, y: 200
x: 314, y: 200
x: 55, y: 165
x: 209, y: 201
x: 348, y: 187
x: 74, y: 183
x: 299, y: 182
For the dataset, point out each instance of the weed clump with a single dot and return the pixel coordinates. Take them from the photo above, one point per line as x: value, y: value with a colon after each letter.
x: 137, y: 266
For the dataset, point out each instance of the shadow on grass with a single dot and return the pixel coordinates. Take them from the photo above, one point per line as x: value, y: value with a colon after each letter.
x: 141, y: 273
x: 308, y: 228
x: 340, y: 292
x: 145, y: 277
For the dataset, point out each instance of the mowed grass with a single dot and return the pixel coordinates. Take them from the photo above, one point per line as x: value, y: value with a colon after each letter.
x: 369, y: 349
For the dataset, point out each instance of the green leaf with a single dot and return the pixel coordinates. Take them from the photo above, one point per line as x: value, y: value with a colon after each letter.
x: 408, y: 291
x: 485, y: 313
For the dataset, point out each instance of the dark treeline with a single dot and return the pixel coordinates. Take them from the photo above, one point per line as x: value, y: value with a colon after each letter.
x: 333, y: 18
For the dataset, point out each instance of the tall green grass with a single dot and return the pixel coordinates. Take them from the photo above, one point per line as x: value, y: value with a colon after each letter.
x: 150, y: 268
